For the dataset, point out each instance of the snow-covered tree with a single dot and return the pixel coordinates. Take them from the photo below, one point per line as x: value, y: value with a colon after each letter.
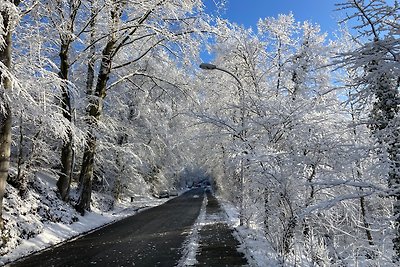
x: 9, y: 17
x: 377, y: 63
x: 135, y: 30
x: 307, y: 152
x: 60, y: 19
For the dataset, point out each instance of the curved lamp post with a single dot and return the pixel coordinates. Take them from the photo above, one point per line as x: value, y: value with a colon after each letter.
x: 209, y: 66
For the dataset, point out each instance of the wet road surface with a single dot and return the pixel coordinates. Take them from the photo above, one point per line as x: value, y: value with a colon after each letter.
x: 217, y: 246
x: 153, y: 237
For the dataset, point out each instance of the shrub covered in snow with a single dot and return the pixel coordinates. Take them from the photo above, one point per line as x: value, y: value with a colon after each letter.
x: 25, y: 216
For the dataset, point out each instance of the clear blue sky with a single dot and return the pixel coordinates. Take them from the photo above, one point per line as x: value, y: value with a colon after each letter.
x: 248, y: 12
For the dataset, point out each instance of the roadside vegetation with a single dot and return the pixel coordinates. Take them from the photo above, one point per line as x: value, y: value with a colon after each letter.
x: 299, y: 134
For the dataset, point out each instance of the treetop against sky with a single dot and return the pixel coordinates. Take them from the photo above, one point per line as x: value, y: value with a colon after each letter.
x: 247, y: 13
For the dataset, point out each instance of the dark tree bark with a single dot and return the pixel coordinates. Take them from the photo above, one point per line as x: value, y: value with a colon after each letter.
x: 94, y: 112
x: 64, y: 180
x: 95, y: 108
x: 89, y: 84
x: 92, y: 51
x: 65, y: 176
x: 86, y: 175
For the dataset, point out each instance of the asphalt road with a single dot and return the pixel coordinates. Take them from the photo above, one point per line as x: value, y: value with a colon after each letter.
x: 153, y: 237
x: 217, y: 246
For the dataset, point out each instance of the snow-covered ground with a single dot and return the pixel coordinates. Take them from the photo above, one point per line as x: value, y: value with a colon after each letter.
x: 260, y: 253
x: 29, y: 229
x: 257, y: 250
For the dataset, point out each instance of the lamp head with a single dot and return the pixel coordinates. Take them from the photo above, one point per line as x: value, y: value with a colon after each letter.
x: 207, y: 66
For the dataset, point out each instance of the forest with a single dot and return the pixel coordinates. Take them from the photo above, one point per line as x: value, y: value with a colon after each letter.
x: 299, y: 132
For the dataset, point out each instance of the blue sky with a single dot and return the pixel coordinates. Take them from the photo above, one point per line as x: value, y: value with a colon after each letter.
x: 248, y: 12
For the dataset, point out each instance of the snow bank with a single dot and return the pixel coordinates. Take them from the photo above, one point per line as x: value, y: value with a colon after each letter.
x: 39, y: 219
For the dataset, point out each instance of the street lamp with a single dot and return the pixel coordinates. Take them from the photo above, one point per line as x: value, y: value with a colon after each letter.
x: 209, y: 66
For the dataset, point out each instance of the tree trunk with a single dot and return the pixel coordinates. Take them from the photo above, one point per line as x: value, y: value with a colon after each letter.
x: 86, y: 175
x: 95, y: 110
x: 365, y: 222
x: 5, y: 115
x: 266, y: 210
x: 310, y: 199
x: 92, y: 52
x: 394, y: 184
x: 288, y: 235
x: 20, y: 181
x: 64, y: 180
x: 5, y: 145
x: 89, y: 79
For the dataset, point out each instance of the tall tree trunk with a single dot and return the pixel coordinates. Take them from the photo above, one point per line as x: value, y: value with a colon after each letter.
x: 65, y: 177
x: 92, y: 51
x: 5, y: 145
x: 95, y: 110
x: 86, y: 175
x: 394, y: 184
x: 310, y: 199
x: 64, y: 180
x: 365, y: 222
x: 89, y: 81
x: 5, y: 114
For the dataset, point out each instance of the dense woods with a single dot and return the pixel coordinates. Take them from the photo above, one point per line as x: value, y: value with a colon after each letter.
x: 301, y: 133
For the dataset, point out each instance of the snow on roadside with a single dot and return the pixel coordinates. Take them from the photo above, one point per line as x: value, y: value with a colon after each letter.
x: 58, y: 233
x: 55, y: 233
x: 256, y: 248
x: 191, y: 244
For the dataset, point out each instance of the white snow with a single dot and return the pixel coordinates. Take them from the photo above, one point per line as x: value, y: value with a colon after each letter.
x: 257, y: 250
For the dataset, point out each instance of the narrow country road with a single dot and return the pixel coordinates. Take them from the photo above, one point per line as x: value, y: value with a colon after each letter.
x: 217, y: 246
x: 151, y: 238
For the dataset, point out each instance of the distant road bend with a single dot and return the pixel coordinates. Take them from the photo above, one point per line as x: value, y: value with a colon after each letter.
x: 153, y: 237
